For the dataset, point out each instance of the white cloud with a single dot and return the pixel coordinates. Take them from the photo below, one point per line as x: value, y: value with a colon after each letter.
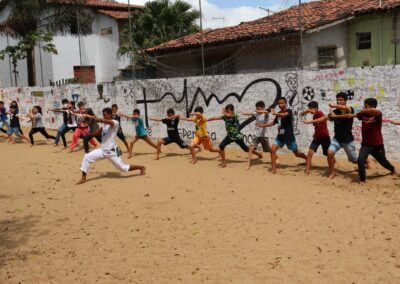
x: 233, y: 16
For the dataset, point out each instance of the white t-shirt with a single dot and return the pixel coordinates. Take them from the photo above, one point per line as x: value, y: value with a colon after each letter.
x: 262, y: 119
x: 73, y: 120
x: 38, y: 123
x: 108, y: 137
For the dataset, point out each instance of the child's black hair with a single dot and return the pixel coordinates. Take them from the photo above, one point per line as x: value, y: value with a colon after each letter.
x: 107, y: 110
x: 114, y: 106
x: 313, y: 104
x: 371, y: 102
x: 89, y: 111
x: 1, y: 103
x: 342, y: 95
x: 260, y: 104
x: 13, y: 107
x: 230, y: 107
x: 81, y: 104
x: 171, y: 111
x: 282, y: 99
x: 72, y: 103
x: 199, y: 109
x: 136, y: 111
x: 39, y: 109
x: 64, y: 101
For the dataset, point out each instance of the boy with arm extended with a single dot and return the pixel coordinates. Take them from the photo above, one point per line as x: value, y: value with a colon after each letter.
x: 120, y: 133
x: 171, y: 121
x: 64, y: 125
x: 3, y: 117
x: 109, y: 149
x: 201, y: 134
x: 141, y: 132
x: 321, y: 134
x: 284, y: 120
x: 15, y: 125
x: 261, y: 116
x: 232, y: 126
x: 342, y: 117
x: 372, y: 140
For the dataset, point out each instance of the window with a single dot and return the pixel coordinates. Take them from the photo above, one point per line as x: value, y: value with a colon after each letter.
x: 106, y: 31
x: 85, y: 74
x: 363, y: 41
x: 327, y: 57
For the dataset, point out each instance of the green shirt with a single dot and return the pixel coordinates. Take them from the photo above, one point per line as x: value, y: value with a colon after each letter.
x: 232, y: 127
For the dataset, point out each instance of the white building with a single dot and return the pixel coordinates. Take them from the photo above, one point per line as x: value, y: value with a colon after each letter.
x: 93, y: 58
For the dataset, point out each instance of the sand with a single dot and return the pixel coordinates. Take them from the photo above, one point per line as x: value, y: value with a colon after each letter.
x: 185, y: 223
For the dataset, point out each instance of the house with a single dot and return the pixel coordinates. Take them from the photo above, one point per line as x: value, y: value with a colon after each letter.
x: 335, y: 34
x: 91, y: 58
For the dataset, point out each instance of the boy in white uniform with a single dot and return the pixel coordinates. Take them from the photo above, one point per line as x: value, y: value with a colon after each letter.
x: 109, y: 149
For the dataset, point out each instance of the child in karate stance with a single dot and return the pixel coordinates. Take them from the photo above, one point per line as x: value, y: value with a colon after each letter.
x: 109, y: 149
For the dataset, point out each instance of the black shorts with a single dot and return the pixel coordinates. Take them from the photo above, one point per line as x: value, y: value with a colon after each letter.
x: 121, y: 135
x: 228, y: 141
x: 176, y: 140
x: 325, y: 143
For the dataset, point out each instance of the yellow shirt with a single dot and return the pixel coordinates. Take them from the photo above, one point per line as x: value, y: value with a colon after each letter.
x: 201, y: 126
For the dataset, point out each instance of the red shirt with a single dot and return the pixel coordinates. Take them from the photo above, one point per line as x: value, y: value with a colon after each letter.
x: 371, y: 129
x: 321, y: 129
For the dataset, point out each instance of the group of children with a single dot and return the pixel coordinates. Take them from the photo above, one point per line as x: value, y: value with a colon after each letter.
x: 84, y: 124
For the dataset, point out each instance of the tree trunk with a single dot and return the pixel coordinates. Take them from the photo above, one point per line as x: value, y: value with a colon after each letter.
x: 30, y: 60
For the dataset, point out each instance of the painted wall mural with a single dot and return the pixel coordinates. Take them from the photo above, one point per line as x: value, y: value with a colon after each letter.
x: 154, y: 97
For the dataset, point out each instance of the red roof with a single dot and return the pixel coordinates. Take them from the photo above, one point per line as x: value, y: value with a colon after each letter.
x: 119, y: 15
x: 314, y: 14
x: 111, y: 5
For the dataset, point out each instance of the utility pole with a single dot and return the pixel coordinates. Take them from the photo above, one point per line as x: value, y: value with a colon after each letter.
x: 131, y: 40
x: 202, y: 44
x: 301, y: 36
x: 79, y: 41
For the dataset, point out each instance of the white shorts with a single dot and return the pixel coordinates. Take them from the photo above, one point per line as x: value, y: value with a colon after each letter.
x: 98, y: 155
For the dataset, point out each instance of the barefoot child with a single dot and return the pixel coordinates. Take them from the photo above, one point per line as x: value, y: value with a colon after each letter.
x: 342, y: 117
x: 321, y: 132
x: 120, y: 133
x: 232, y: 126
x: 36, y: 118
x: 93, y: 128
x: 172, y: 122
x: 261, y: 133
x: 71, y: 122
x: 82, y: 129
x: 15, y: 126
x: 284, y: 119
x: 109, y: 149
x: 201, y: 134
x: 3, y: 117
x: 64, y: 125
x: 141, y: 132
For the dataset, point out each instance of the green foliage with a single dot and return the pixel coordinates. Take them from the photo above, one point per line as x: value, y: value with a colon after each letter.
x: 160, y: 21
x: 26, y: 45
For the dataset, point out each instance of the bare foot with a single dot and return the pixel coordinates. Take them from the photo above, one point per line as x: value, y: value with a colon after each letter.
x: 393, y: 172
x: 307, y: 173
x: 223, y: 165
x: 143, y: 171
x: 70, y: 151
x: 274, y: 171
x: 248, y: 166
x: 332, y: 175
x: 157, y: 158
x: 194, y: 161
x: 362, y: 182
x: 82, y: 180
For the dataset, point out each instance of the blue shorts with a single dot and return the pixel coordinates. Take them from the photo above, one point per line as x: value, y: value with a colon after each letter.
x: 14, y: 130
x: 292, y: 146
x: 349, y: 148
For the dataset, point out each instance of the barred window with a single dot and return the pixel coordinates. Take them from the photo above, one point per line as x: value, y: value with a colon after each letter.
x: 327, y: 57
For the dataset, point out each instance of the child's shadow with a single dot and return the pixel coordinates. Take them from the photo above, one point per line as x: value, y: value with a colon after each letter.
x: 111, y: 175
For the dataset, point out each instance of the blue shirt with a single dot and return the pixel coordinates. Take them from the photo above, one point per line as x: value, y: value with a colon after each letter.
x: 139, y: 126
x: 3, y: 114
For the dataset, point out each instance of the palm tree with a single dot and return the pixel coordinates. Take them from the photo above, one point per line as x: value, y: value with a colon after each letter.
x: 52, y: 16
x: 160, y: 21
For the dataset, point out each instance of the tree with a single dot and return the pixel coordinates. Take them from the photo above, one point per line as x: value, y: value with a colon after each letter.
x: 160, y: 21
x: 44, y: 16
x: 24, y: 46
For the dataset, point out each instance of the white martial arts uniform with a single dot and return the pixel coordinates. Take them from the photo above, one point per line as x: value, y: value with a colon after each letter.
x: 108, y: 150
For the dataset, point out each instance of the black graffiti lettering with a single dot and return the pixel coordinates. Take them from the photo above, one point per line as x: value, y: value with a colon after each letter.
x: 207, y: 99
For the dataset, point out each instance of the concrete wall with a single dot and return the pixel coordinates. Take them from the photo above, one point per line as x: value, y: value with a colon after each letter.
x: 382, y: 33
x: 332, y: 36
x: 243, y: 90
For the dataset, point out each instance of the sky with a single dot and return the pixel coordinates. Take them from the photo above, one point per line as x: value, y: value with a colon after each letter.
x: 233, y: 11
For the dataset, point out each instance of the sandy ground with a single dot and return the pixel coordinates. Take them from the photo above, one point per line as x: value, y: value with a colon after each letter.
x: 191, y: 224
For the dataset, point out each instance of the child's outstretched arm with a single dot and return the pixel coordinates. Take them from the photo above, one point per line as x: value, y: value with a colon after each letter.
x: 371, y: 111
x: 315, y: 121
x: 340, y: 107
x: 155, y: 119
x: 214, y: 118
x: 395, y: 122
x: 265, y: 125
x: 126, y: 115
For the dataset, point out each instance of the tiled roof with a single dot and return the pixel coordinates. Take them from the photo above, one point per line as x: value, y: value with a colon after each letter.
x: 314, y: 14
x: 110, y: 5
x: 119, y: 15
